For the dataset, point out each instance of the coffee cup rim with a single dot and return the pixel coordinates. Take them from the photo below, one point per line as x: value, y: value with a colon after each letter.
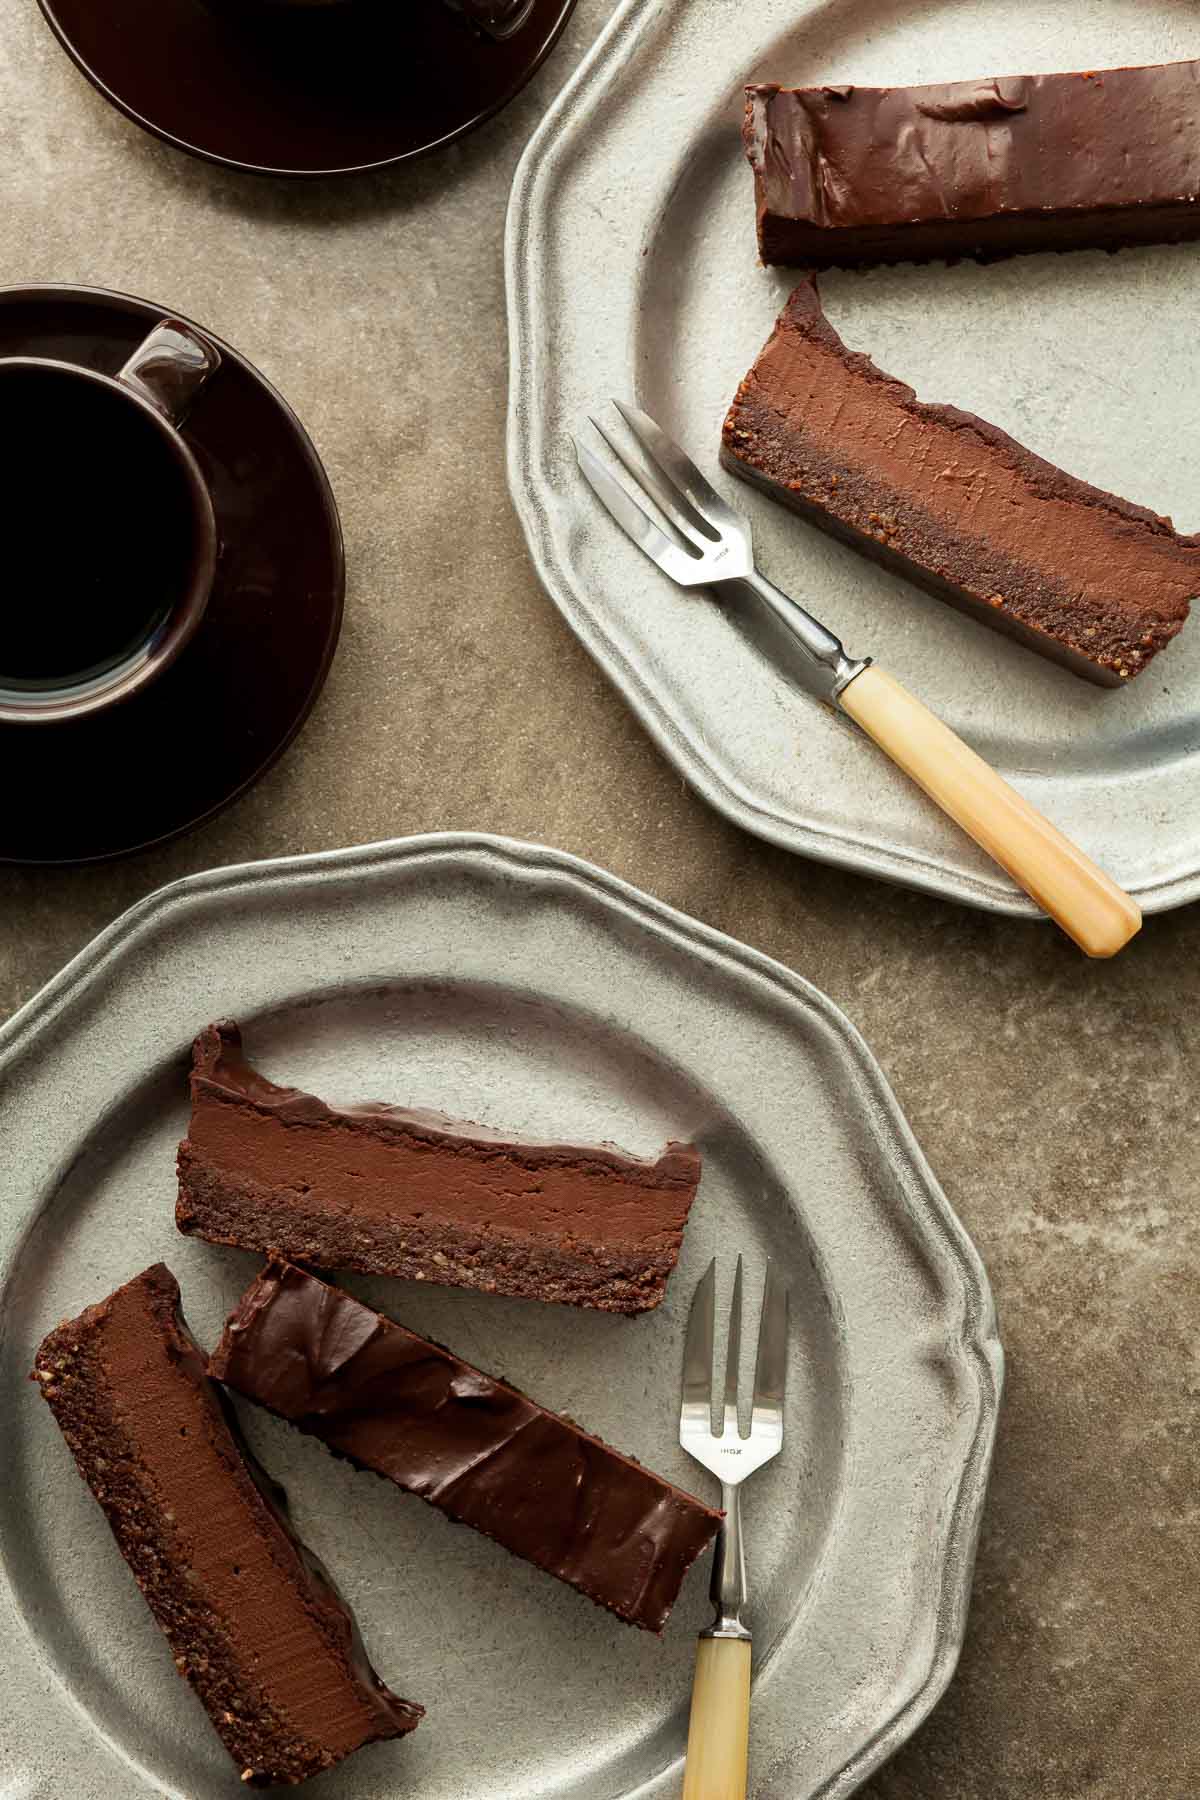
x: 162, y: 648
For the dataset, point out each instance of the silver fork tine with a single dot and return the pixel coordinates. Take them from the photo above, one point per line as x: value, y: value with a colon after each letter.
x: 718, y: 1733
x: 615, y: 497
x: 698, y: 1350
x: 770, y: 1374
x: 679, y: 469
x: 729, y: 1420
x: 661, y: 492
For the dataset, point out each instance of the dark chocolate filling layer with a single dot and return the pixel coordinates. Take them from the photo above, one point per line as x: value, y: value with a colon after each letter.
x: 278, y: 1221
x: 956, y: 505
x: 253, y: 1619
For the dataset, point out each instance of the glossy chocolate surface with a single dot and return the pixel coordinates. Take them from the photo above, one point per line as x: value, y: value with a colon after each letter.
x: 482, y: 1452
x: 989, y: 167
x: 956, y: 505
x: 253, y: 1619
x: 210, y: 725
x: 302, y: 90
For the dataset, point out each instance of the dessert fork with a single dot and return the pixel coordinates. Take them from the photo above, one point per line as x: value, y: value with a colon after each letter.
x: 709, y: 545
x: 719, y: 1729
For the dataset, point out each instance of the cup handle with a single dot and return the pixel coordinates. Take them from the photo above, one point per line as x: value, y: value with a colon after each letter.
x: 170, y: 367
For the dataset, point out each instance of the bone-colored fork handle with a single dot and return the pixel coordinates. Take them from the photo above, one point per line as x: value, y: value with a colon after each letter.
x: 1086, y: 902
x: 719, y: 1730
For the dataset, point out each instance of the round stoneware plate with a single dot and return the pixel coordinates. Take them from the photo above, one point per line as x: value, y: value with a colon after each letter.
x: 633, y: 271
x: 518, y: 987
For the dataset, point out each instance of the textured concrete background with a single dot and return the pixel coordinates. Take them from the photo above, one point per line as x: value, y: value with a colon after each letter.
x: 1057, y: 1101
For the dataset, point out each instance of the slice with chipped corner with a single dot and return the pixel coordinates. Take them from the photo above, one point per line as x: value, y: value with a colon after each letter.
x: 254, y: 1622
x: 957, y: 506
x: 395, y: 1191
x: 479, y: 1450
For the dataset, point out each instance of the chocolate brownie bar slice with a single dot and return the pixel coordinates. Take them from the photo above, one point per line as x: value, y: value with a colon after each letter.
x: 254, y: 1622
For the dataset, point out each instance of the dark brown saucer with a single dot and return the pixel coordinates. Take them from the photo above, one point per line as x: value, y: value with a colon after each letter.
x: 321, y: 90
x: 184, y: 747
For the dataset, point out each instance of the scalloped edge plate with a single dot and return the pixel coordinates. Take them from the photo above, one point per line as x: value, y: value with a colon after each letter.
x: 866, y: 1646
x: 572, y: 257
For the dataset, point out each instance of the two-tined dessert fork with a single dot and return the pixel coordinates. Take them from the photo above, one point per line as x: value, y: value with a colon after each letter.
x: 707, y: 544
x: 719, y: 1732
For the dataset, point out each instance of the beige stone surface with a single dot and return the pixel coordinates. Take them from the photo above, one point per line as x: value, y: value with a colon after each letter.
x: 1056, y: 1100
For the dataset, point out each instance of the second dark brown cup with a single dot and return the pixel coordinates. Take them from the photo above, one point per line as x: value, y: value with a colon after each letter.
x: 496, y: 18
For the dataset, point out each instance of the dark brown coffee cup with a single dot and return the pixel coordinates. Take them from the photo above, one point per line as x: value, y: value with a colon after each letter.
x: 112, y: 540
x: 498, y: 18
x: 495, y: 18
x: 252, y: 12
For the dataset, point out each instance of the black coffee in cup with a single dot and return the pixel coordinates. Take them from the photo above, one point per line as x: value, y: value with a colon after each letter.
x: 110, y: 536
x: 101, y: 530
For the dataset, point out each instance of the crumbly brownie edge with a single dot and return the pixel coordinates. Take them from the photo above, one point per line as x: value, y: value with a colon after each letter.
x: 760, y: 445
x: 276, y: 1222
x: 1053, y: 630
x: 73, y: 1385
x: 786, y: 242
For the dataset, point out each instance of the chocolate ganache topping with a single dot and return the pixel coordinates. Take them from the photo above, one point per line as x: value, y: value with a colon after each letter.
x: 990, y: 101
x: 848, y: 175
x: 476, y: 1448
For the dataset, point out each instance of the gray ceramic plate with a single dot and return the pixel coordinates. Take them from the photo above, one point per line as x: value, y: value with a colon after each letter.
x: 520, y: 987
x: 633, y: 271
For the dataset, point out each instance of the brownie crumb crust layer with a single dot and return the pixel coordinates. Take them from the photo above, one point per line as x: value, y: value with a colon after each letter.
x: 852, y: 175
x: 956, y: 505
x: 253, y: 1620
x: 479, y: 1450
x: 393, y: 1191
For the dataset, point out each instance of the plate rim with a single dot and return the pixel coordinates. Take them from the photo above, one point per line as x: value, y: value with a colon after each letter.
x: 550, y: 147
x: 269, y: 170
x: 974, y: 1344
